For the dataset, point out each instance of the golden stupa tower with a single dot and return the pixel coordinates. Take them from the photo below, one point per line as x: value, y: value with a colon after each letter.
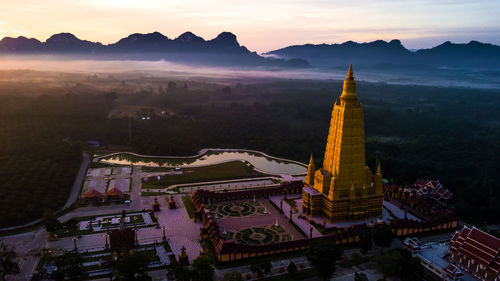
x: 344, y: 189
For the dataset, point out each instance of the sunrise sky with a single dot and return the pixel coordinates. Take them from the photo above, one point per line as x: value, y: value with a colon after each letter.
x: 261, y: 25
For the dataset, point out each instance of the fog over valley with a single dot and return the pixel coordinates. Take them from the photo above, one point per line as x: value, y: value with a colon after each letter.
x: 389, y: 74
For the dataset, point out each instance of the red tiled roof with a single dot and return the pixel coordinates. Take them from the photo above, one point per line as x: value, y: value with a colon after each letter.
x: 92, y: 193
x: 453, y: 271
x: 114, y: 192
x: 479, y: 246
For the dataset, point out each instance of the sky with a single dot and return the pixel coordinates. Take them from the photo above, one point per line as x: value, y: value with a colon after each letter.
x: 260, y: 25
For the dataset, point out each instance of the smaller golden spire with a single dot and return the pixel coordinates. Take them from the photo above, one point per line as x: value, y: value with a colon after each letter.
x: 349, y: 90
x: 310, y: 172
x: 379, y: 171
x: 350, y: 74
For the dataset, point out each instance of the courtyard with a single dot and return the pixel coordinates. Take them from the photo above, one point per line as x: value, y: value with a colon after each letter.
x: 254, y: 222
x: 105, y: 179
x: 238, y: 209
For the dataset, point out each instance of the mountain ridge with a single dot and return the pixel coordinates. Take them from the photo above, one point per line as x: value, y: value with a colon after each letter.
x: 189, y: 48
x: 225, y: 49
x: 473, y: 53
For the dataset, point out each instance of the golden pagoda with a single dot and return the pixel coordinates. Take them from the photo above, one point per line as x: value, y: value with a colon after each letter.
x: 344, y: 189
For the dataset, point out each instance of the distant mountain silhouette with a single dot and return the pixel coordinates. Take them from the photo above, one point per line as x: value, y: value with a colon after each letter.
x: 381, y: 52
x: 473, y: 53
x: 187, y: 48
x: 225, y: 50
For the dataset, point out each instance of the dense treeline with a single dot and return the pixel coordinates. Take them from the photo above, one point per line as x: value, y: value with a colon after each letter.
x: 417, y: 132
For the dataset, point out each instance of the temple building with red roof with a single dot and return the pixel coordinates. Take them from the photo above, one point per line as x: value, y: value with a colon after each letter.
x: 476, y: 252
x: 93, y: 195
x: 433, y: 256
x: 433, y: 190
x: 114, y: 194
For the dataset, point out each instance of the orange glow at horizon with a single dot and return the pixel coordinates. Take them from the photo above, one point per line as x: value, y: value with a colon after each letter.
x: 260, y: 25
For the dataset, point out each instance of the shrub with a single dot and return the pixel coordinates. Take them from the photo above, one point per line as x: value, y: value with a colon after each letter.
x: 292, y: 268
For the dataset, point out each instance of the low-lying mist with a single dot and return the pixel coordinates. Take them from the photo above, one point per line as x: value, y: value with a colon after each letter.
x: 389, y: 74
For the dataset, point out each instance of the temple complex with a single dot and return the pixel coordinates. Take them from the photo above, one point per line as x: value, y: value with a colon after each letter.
x: 344, y: 188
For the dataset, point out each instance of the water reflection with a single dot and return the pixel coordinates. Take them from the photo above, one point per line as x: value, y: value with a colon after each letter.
x: 261, y: 162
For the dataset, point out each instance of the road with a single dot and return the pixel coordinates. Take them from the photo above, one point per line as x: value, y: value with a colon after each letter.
x: 75, y: 191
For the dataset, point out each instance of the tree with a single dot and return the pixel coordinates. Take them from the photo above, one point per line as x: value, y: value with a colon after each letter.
x: 7, y: 264
x: 226, y: 90
x: 52, y: 224
x: 266, y: 266
x: 171, y: 87
x: 132, y: 267
x: 382, y: 236
x: 69, y: 266
x: 360, y: 276
x: 255, y: 267
x: 185, y: 274
x: 203, y: 268
x: 233, y: 276
x: 291, y: 269
x: 260, y: 266
x: 324, y: 254
x: 110, y: 98
x: 399, y: 263
x: 366, y: 242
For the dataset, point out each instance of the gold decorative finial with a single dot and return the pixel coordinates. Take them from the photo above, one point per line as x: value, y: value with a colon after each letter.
x: 379, y: 171
x: 349, y: 85
x: 349, y: 72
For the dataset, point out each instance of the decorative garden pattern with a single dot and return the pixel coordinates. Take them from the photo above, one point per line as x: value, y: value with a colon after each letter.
x: 259, y: 235
x: 238, y: 209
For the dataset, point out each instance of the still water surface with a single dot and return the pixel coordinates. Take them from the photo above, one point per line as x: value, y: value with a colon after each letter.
x: 260, y: 161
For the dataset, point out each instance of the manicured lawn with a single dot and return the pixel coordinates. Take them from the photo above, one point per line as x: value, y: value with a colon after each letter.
x: 188, y: 204
x: 149, y: 255
x: 223, y: 171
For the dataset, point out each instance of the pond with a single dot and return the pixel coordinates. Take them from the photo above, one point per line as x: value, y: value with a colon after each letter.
x: 259, y: 160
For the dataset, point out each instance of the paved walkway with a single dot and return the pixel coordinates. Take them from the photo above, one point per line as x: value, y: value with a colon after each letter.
x: 162, y: 254
x: 180, y: 230
x: 303, y: 224
x: 27, y: 246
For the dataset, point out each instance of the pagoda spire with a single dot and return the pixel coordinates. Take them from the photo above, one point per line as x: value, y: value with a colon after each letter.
x: 349, y: 90
x: 310, y: 171
x: 350, y: 74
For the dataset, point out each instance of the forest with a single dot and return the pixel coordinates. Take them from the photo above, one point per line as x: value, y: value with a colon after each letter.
x: 450, y: 134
